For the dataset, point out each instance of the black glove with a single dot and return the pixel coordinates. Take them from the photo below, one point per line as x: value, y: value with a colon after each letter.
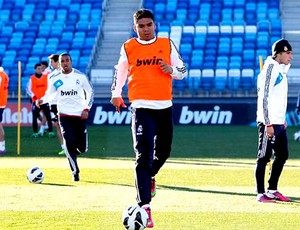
x: 298, y: 110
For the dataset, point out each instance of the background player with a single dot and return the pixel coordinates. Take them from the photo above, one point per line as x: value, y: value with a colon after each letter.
x: 4, y: 81
x: 272, y: 88
x: 53, y: 60
x: 74, y: 96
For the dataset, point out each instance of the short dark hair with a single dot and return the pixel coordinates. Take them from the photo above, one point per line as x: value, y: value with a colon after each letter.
x: 142, y: 13
x: 65, y: 54
x: 54, y: 57
x: 37, y: 65
x: 45, y: 63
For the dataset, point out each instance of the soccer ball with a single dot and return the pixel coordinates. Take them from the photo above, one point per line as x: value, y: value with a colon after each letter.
x: 297, y: 136
x: 35, y: 175
x: 134, y: 218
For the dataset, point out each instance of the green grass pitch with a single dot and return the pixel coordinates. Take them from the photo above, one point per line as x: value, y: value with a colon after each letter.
x: 208, y: 183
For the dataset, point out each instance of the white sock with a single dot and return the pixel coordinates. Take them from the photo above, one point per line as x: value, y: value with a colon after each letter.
x: 272, y: 191
x: 62, y: 147
x: 2, y: 145
x: 42, y: 129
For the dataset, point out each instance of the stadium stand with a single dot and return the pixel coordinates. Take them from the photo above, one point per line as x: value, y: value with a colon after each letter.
x: 31, y: 30
x: 220, y: 40
x: 221, y: 37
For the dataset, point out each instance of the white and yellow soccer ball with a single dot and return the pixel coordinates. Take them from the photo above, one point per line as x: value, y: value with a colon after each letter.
x: 35, y: 175
x: 297, y: 136
x: 134, y: 218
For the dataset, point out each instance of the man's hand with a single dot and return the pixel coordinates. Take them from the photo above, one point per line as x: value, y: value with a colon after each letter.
x: 118, y: 102
x: 165, y: 67
x: 85, y: 114
x: 38, y: 102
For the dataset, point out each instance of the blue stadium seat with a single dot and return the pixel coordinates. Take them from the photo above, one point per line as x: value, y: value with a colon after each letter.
x: 75, y: 54
x: 235, y: 62
x: 83, y: 63
x: 82, y: 25
x: 248, y: 58
x: 273, y: 13
x: 194, y: 78
x: 238, y: 14
x: 247, y: 78
x: 7, y: 31
x: 50, y: 15
x: 181, y: 14
x: 227, y: 14
x: 4, y: 15
x: 65, y: 3
x: 53, y: 4
x: 159, y: 10
x: 234, y: 76
x: 263, y: 26
x: 228, y: 3
x: 16, y: 14
x: 225, y: 30
x: 74, y: 7
x: 261, y: 11
x: 66, y: 36
x: 199, y: 42
x: 196, y: 59
x: 240, y: 3
x: 222, y: 62
x: 61, y: 15
x: 262, y: 41
x: 221, y: 79
x: 207, y: 79
x: 2, y: 49
x: 20, y: 3
x: 96, y: 15
x: 21, y: 26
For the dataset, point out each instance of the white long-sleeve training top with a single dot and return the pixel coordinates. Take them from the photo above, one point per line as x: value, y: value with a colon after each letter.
x: 272, y: 91
x: 73, y: 92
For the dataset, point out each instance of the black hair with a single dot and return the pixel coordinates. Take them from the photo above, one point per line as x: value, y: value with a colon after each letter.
x: 45, y: 63
x: 142, y: 13
x: 54, y: 57
x: 65, y: 54
x: 37, y: 65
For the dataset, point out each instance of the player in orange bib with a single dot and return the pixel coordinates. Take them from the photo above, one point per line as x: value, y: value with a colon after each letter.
x: 149, y: 64
x: 3, y: 101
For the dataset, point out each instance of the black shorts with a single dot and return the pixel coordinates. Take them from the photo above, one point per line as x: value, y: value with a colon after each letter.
x: 1, y: 114
x: 54, y: 112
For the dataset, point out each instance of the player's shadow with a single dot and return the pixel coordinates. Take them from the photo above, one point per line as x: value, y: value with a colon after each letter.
x: 57, y: 184
x: 188, y: 189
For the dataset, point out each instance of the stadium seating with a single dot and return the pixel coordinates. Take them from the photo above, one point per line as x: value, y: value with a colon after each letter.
x: 214, y: 35
x: 31, y: 30
x: 226, y: 35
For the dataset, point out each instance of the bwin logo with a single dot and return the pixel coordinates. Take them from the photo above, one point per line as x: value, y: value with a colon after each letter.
x: 153, y: 61
x: 69, y: 93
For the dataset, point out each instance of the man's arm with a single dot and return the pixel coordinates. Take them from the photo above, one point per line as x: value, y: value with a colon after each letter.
x: 177, y: 64
x: 120, y: 77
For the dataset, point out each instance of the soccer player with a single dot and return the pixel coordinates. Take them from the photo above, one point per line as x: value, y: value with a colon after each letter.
x: 149, y: 64
x: 54, y: 65
x: 4, y: 81
x: 272, y: 88
x: 74, y: 95
x: 36, y: 88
